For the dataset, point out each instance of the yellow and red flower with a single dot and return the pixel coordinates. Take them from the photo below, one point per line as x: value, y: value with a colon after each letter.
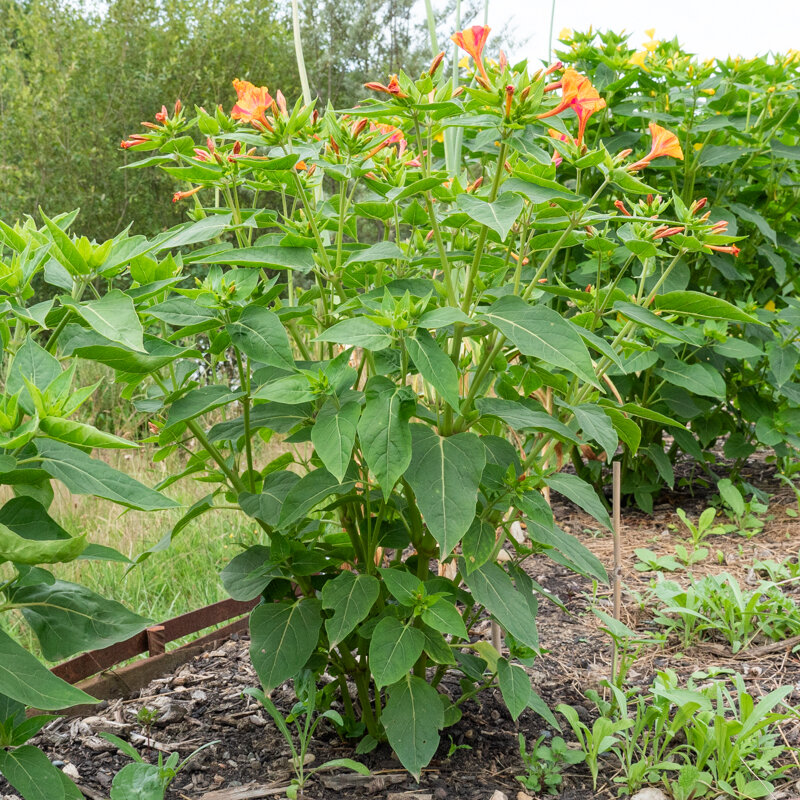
x: 664, y: 143
x: 472, y: 41
x: 578, y: 94
x: 392, y: 88
x: 253, y: 102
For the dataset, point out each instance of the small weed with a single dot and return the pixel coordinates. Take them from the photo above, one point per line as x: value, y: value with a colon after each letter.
x: 545, y: 763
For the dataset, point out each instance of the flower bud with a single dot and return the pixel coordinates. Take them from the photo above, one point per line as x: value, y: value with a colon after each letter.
x: 435, y: 64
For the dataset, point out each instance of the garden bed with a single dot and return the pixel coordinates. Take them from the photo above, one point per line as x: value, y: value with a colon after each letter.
x: 203, y: 700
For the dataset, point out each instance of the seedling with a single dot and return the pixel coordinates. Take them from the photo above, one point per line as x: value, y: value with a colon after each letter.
x: 544, y: 764
x: 305, y: 720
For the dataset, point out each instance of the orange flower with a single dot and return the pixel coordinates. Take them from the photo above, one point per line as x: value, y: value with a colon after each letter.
x: 395, y: 136
x: 578, y: 94
x: 392, y: 88
x: 182, y: 195
x: 162, y: 115
x: 472, y: 41
x: 665, y: 143
x: 732, y: 249
x: 252, y: 103
x: 136, y: 138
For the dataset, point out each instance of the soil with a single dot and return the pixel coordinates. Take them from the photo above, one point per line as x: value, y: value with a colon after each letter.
x: 203, y: 701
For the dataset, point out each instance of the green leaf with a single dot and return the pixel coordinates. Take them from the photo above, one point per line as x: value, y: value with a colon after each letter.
x: 493, y: 589
x: 24, y: 679
x: 70, y: 432
x: 597, y: 426
x: 351, y: 597
x: 523, y: 414
x: 271, y: 257
x: 500, y: 215
x: 644, y: 316
x: 393, y: 650
x: 478, y: 544
x: 267, y: 505
x: 289, y: 390
x: 445, y: 473
x: 140, y: 780
x: 32, y: 363
x: 581, y: 493
x: 193, y: 232
x: 82, y: 474
x: 404, y: 586
x: 183, y: 312
x: 413, y: 718
x: 334, y: 434
x: 443, y: 616
x: 382, y: 251
x: 628, y: 182
x: 384, y: 432
x: 66, y: 253
x: 112, y: 316
x: 700, y: 379
x: 704, y: 306
x: 68, y: 618
x: 283, y: 637
x: 515, y: 686
x: 715, y: 155
x: 246, y: 575
x: 435, y: 366
x: 43, y: 551
x: 357, y: 332
x: 30, y: 772
x: 309, y: 492
x: 540, y: 332
x: 259, y: 334
x: 194, y: 404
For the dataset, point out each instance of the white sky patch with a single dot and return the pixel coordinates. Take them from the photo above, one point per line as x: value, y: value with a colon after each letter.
x: 709, y: 28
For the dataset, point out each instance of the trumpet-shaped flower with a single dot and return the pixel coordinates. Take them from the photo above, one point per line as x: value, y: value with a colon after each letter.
x: 472, y: 41
x: 664, y: 143
x: 578, y: 94
x: 136, y: 138
x: 252, y: 104
x: 392, y: 88
x: 182, y: 195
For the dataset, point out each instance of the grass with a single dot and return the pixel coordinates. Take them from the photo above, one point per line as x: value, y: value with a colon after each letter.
x: 182, y: 578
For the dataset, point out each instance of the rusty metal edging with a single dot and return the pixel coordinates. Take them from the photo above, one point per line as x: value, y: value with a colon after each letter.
x: 153, y: 641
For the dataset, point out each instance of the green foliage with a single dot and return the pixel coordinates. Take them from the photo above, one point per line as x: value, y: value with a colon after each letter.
x: 545, y: 762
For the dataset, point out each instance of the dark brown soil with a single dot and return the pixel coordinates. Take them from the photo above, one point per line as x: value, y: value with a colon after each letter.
x: 203, y: 701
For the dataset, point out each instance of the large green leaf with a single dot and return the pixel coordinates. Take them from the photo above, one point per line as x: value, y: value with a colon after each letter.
x: 183, y: 312
x: 700, y: 379
x: 435, y: 366
x: 581, y: 493
x: 524, y: 414
x: 79, y: 433
x: 24, y: 679
x: 82, y: 474
x: 393, y: 650
x: 138, y: 780
x: 413, y: 717
x: 705, y: 306
x: 112, y: 316
x: 382, y: 251
x: 540, y: 332
x: 443, y: 616
x: 384, y: 432
x: 350, y: 597
x: 21, y: 550
x: 493, y: 589
x: 308, y: 493
x: 357, y: 332
x: 248, y: 574
x: 596, y: 425
x: 259, y: 334
x: 445, y: 473
x: 500, y: 215
x: 267, y: 505
x: 334, y: 434
x: 195, y: 403
x: 32, y: 363
x: 276, y: 257
x: 30, y: 772
x: 283, y: 637
x: 644, y: 316
x: 515, y: 686
x: 68, y: 618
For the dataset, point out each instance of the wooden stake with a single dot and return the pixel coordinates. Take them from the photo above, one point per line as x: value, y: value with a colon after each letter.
x: 616, y: 499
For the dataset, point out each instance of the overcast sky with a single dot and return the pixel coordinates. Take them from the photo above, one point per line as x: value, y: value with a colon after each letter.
x: 706, y: 27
